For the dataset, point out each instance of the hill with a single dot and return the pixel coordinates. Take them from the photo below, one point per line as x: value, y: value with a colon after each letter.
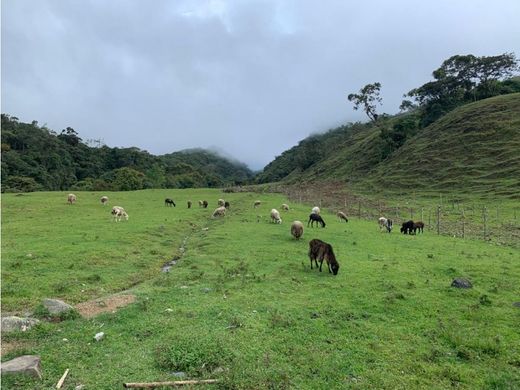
x: 472, y: 148
x: 37, y: 158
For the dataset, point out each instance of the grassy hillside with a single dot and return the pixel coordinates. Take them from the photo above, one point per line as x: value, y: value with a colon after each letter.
x: 473, y: 148
x: 242, y: 304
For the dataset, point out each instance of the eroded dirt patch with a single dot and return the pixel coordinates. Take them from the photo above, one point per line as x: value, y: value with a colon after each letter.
x: 9, y: 346
x: 97, y: 306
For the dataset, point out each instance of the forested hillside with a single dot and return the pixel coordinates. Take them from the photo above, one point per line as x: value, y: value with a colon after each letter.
x: 37, y: 158
x: 462, y: 132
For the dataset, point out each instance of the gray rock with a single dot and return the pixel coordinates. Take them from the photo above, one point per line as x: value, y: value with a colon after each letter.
x: 55, y: 306
x: 12, y: 323
x: 516, y: 304
x: 461, y: 283
x: 206, y: 290
x: 79, y: 387
x: 26, y: 364
x: 179, y: 374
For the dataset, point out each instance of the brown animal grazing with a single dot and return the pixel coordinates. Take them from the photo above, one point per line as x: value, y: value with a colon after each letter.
x: 320, y: 250
x: 226, y: 204
x: 419, y: 225
x: 205, y: 204
x: 169, y: 202
x: 189, y: 204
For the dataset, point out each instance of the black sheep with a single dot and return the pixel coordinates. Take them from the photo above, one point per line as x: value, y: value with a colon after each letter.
x: 315, y: 218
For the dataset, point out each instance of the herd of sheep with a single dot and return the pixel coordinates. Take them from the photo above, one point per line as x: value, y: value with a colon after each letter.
x: 318, y: 250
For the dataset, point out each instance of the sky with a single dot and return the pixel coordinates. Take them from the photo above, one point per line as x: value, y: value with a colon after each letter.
x: 247, y: 78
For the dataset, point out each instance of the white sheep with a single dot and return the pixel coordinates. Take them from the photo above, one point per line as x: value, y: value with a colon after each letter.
x: 297, y: 229
x: 221, y: 202
x: 285, y: 207
x: 71, y: 198
x: 275, y: 216
x: 118, y: 213
x: 201, y: 203
x: 104, y: 200
x: 342, y: 216
x: 219, y: 212
x: 316, y: 210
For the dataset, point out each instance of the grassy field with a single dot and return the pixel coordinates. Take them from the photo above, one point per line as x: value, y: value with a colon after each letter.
x: 242, y: 304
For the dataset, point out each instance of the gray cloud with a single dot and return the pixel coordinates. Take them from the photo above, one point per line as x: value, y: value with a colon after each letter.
x: 251, y: 78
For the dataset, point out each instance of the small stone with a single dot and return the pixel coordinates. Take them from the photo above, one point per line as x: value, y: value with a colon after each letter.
x: 206, y: 290
x: 165, y: 268
x: 99, y: 336
x: 169, y: 310
x: 79, y: 387
x: 65, y: 340
x: 218, y: 370
x: 205, y: 229
x: 26, y: 364
x: 184, y: 286
x: 29, y: 255
x: 516, y: 304
x: 55, y: 306
x: 13, y: 323
x: 179, y: 374
x: 461, y: 283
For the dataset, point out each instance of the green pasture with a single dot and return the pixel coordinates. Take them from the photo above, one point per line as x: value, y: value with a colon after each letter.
x: 242, y: 304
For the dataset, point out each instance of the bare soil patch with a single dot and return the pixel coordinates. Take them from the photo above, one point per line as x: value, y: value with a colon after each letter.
x: 97, y: 306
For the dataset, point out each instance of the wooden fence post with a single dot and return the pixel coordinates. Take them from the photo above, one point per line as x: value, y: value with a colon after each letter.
x: 484, y: 216
x: 438, y: 220
x: 463, y: 223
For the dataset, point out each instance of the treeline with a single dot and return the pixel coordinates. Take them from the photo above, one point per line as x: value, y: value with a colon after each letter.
x: 458, y: 81
x: 37, y: 158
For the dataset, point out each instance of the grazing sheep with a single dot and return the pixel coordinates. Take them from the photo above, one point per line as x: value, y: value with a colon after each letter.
x: 315, y: 218
x: 201, y: 203
x: 227, y: 205
x: 118, y: 212
x: 219, y: 212
x: 385, y: 223
x: 320, y: 250
x: 221, y: 202
x: 275, y: 216
x: 257, y: 203
x: 316, y: 210
x: 407, y: 227
x: 169, y: 202
x: 205, y: 204
x: 419, y: 225
x: 104, y: 200
x: 71, y: 198
x: 285, y: 207
x: 297, y: 229
x: 189, y: 204
x: 342, y: 216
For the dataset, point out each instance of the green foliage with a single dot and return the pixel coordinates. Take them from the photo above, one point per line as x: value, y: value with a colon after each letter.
x: 20, y: 184
x: 367, y: 98
x: 395, y: 136
x: 128, y: 179
x: 62, y: 162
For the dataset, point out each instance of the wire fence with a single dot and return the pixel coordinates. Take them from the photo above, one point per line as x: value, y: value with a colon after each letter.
x: 498, y: 223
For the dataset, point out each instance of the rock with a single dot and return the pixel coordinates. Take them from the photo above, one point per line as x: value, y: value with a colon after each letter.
x: 99, y: 336
x: 516, y: 304
x: 55, y: 306
x: 12, y: 323
x: 179, y: 374
x: 461, y: 283
x: 206, y: 290
x: 26, y: 364
x: 218, y: 370
x: 79, y: 387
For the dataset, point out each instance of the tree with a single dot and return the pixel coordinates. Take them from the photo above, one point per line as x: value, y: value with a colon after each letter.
x: 367, y: 97
x: 128, y: 179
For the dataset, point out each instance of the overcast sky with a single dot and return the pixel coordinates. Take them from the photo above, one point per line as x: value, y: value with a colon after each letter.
x: 250, y: 78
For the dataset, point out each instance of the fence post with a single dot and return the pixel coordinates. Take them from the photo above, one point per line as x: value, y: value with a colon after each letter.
x: 484, y: 216
x: 463, y: 223
x: 438, y: 220
x: 359, y: 209
x: 422, y: 214
x: 429, y: 218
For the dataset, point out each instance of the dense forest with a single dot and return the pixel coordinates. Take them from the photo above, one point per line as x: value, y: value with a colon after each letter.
x: 358, y: 148
x: 37, y: 158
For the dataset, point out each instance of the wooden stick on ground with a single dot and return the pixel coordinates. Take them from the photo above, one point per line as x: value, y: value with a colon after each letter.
x: 149, y: 385
x: 62, y: 379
